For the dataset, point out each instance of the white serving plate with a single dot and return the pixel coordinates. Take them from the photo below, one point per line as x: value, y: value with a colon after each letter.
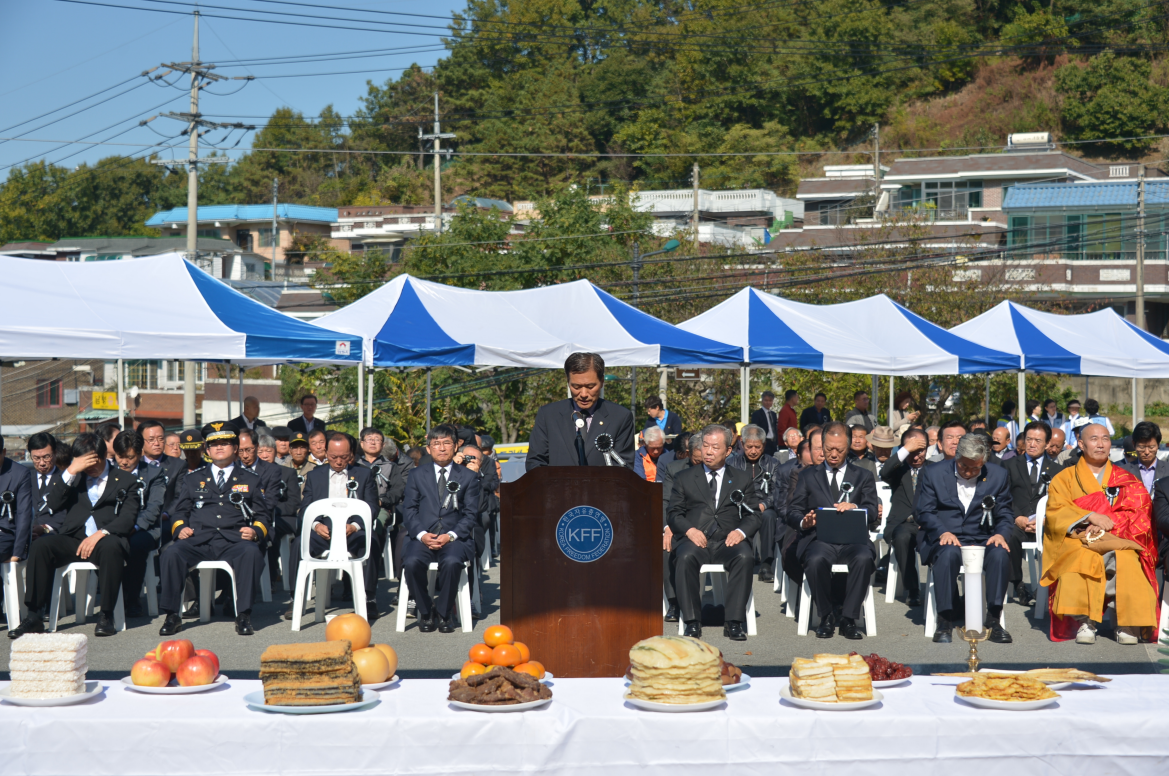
x: 987, y: 703
x: 884, y: 683
x: 93, y: 688
x: 255, y: 701
x: 500, y: 709
x: 548, y: 677
x: 173, y: 689
x: 744, y: 683
x: 382, y: 685
x: 673, y: 708
x: 786, y: 694
x: 1050, y: 685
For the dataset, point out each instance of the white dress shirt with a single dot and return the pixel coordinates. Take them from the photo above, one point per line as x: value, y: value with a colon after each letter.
x: 965, y: 489
x: 95, y: 486
x: 438, y: 472
x: 337, y: 483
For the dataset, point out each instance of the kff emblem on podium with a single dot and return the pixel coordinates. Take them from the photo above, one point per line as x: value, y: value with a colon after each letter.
x: 584, y: 534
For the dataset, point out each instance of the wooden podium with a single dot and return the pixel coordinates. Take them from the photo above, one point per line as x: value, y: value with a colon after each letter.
x: 580, y: 616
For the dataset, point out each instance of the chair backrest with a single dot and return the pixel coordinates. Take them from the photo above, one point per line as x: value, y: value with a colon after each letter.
x: 1040, y: 514
x: 885, y: 494
x: 340, y: 511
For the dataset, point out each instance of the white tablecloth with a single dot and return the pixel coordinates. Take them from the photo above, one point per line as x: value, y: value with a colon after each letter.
x: 587, y: 729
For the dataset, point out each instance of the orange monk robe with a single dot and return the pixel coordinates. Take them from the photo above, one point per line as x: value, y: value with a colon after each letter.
x: 1075, y: 573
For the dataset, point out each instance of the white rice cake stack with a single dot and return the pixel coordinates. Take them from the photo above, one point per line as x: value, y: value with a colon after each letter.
x: 48, y: 665
x: 854, y: 681
x: 831, y: 679
x: 675, y: 669
x: 813, y: 680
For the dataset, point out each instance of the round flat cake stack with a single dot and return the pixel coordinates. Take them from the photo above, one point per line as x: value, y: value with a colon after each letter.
x: 48, y: 665
x: 675, y: 669
x: 831, y: 679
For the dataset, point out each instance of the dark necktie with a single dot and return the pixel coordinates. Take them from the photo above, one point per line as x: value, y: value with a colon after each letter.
x: 835, y: 486
x: 714, y: 487
x: 219, y: 480
x: 154, y: 463
x: 441, y: 484
x: 913, y: 475
x: 40, y: 482
x: 1034, y: 472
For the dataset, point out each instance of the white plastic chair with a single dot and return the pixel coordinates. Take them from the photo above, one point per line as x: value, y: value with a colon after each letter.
x: 150, y: 582
x: 869, y: 610
x: 388, y: 556
x: 895, y: 580
x: 462, y: 598
x: 85, y: 585
x: 718, y: 593
x: 207, y: 571
x: 782, y: 584
x: 1033, y: 553
x: 1163, y: 625
x: 885, y: 495
x: 340, y: 511
x: 14, y: 606
x: 286, y: 562
x: 931, y: 604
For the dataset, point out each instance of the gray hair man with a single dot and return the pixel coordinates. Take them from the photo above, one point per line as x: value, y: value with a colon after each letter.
x: 652, y: 457
x: 772, y: 491
x: 966, y: 503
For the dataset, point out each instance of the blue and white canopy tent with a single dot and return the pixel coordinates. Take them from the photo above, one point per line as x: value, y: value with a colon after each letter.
x: 161, y: 307
x: 1096, y: 344
x: 873, y: 336
x: 416, y: 323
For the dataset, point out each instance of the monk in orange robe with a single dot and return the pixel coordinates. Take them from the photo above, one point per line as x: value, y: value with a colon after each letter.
x: 1096, y: 496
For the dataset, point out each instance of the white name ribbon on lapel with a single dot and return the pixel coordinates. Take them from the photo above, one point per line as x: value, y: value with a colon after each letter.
x: 987, y: 520
x: 237, y: 499
x: 604, y: 443
x: 1111, y: 493
x: 737, y: 499
x: 7, y: 499
x: 846, y: 489
x: 452, y: 495
x: 765, y: 478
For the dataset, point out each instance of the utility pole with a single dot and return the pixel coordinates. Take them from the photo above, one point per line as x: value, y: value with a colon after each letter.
x: 276, y: 230
x: 1138, y: 399
x: 695, y: 176
x: 436, y: 136
x: 876, y: 166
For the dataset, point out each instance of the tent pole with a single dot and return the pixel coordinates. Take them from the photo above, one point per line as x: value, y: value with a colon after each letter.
x: 360, y: 393
x: 633, y: 392
x: 988, y: 413
x: 1134, y: 402
x: 663, y: 385
x: 1022, y: 401
x: 369, y: 404
x: 891, y: 407
x: 427, y: 400
x: 745, y: 393
x: 121, y: 397
x: 875, y: 401
x: 227, y: 387
x: 188, y: 394
x: 240, y: 382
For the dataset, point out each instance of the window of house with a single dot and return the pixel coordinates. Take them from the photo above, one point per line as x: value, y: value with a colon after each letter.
x: 1020, y: 231
x: 266, y: 236
x: 49, y: 393
x: 952, y: 196
x: 143, y: 374
x: 207, y: 233
x: 173, y: 372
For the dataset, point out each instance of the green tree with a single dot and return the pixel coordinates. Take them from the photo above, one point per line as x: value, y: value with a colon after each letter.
x: 1112, y: 97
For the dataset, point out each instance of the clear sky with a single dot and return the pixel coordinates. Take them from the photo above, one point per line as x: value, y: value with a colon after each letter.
x: 53, y: 53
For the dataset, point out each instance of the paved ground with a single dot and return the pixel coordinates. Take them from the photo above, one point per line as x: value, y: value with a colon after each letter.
x: 900, y: 637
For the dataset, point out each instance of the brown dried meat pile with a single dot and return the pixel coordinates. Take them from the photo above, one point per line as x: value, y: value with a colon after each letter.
x: 498, y: 687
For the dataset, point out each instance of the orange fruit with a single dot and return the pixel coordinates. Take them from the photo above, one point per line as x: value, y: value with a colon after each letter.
x: 539, y: 666
x: 349, y: 627
x: 505, y: 655
x: 470, y: 668
x: 525, y: 653
x: 528, y: 668
x: 372, y: 665
x: 498, y: 634
x: 480, y: 653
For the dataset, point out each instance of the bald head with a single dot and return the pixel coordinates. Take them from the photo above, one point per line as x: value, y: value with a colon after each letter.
x: 1095, y: 444
x: 1055, y: 446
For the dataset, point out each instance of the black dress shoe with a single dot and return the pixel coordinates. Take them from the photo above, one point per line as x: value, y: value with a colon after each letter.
x: 448, y: 625
x: 693, y: 629
x: 825, y: 630
x: 171, y: 625
x: 998, y: 635
x: 913, y: 601
x: 192, y: 611
x: 673, y: 614
x: 428, y: 624
x: 288, y: 614
x: 767, y: 575
x: 849, y: 630
x: 943, y: 633
x: 30, y: 624
x: 1023, y: 595
x: 105, y: 625
x: 371, y: 614
x: 735, y: 631
x: 243, y: 625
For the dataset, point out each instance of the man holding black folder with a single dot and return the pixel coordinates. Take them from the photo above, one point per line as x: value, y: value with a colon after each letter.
x: 823, y: 498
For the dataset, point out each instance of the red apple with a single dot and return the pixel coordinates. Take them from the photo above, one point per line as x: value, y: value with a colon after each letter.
x: 210, y: 656
x: 196, y: 671
x: 149, y: 673
x: 173, y: 654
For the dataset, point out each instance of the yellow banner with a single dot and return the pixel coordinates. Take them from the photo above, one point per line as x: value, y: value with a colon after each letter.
x: 105, y: 400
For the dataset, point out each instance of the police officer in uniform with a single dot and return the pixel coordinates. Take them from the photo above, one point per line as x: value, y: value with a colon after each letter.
x: 220, y: 514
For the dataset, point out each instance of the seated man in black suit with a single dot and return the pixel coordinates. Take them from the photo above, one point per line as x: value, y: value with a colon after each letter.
x: 342, y: 478
x: 42, y: 449
x: 669, y: 560
x: 441, y: 507
x: 1028, y: 475
x: 18, y: 493
x: 823, y: 487
x: 901, y: 473
x: 965, y: 501
x: 100, y: 514
x: 219, y: 514
x: 713, y: 515
x: 764, y: 471
x: 566, y: 432
x: 150, y: 489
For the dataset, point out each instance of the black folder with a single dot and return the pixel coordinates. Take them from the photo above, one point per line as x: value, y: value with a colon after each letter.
x: 851, y: 527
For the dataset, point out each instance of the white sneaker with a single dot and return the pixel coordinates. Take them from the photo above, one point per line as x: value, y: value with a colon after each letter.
x: 1128, y: 635
x: 1086, y: 633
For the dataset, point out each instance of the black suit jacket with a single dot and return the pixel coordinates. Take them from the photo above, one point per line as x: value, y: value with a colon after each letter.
x: 939, y: 509
x: 316, y: 487
x: 812, y: 416
x: 691, y: 505
x: 812, y: 492
x: 902, y: 501
x: 240, y: 424
x: 1024, y: 495
x: 1134, y: 468
x: 1161, y: 515
x: 423, y: 506
x: 297, y: 424
x: 552, y: 441
x: 759, y: 418
x: 73, y: 499
x: 42, y: 515
x: 20, y: 481
x: 281, y: 491
x: 669, y: 472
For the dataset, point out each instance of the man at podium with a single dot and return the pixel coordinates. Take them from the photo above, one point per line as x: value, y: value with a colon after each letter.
x: 584, y: 430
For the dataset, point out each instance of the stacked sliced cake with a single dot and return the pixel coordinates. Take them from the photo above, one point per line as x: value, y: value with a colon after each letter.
x: 48, y: 665
x: 675, y: 669
x: 831, y: 679
x: 309, y: 674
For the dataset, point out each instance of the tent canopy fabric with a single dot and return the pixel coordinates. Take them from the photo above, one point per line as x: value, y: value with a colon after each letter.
x: 1096, y: 344
x: 161, y: 307
x: 868, y: 336
x: 415, y: 323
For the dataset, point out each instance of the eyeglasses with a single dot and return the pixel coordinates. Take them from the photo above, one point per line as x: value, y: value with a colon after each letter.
x: 1147, y: 448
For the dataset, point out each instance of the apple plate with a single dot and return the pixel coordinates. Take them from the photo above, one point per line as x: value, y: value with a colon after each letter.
x: 500, y: 709
x: 382, y: 685
x: 255, y: 701
x: 548, y: 677
x: 804, y: 703
x: 174, y: 688
x: 93, y: 688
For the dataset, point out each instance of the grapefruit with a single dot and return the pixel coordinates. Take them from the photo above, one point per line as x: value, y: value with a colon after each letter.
x: 349, y: 627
